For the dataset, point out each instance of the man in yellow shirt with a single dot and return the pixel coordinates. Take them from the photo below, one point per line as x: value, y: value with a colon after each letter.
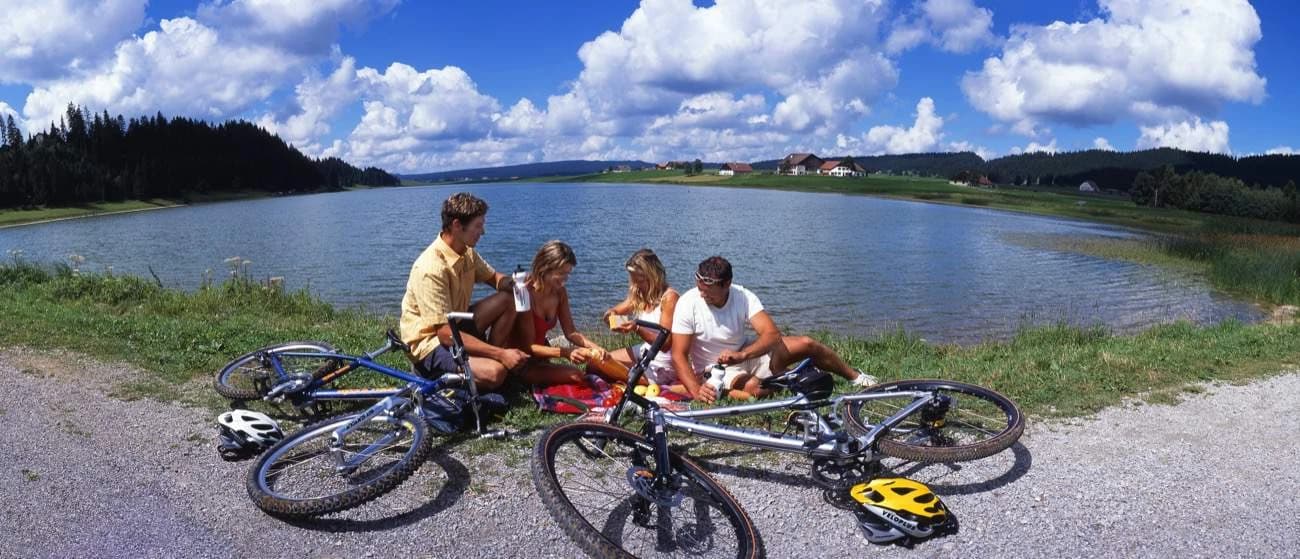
x: 441, y: 281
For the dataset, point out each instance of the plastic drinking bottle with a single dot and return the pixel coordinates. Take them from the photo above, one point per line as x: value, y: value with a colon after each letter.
x: 522, y: 300
x: 715, y: 380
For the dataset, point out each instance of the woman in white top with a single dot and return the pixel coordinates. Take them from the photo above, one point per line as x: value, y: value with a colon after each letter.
x: 648, y: 298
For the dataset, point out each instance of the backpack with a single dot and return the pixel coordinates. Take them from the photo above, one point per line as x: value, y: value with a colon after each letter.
x: 447, y: 410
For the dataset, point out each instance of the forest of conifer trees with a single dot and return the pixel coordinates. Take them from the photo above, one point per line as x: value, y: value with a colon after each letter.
x: 93, y: 157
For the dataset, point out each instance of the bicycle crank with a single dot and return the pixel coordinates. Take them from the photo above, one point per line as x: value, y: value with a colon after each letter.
x: 843, y: 473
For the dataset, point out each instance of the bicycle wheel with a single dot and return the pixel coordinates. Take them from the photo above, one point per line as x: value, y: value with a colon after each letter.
x: 299, y: 476
x: 597, y: 481
x: 249, y: 377
x: 971, y: 421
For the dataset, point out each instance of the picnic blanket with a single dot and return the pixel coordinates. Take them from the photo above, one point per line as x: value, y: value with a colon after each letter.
x: 594, y: 395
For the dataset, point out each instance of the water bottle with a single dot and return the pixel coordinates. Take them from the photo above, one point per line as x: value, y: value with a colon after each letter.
x: 523, y: 301
x: 715, y: 380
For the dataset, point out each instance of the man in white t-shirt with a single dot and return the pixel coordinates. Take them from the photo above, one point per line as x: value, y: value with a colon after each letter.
x: 709, y: 327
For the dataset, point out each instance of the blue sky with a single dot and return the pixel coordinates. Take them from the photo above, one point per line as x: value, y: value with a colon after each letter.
x: 425, y: 86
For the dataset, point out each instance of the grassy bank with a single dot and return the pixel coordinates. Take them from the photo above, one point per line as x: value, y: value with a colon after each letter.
x: 9, y: 217
x: 18, y: 217
x: 182, y: 338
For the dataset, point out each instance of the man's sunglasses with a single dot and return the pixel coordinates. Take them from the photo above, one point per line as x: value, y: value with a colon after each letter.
x: 708, y: 280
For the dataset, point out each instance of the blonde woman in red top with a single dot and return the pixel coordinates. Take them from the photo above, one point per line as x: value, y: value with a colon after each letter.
x: 550, y: 307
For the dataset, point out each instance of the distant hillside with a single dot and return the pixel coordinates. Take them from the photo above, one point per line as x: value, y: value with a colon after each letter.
x: 1108, y: 169
x: 928, y: 164
x: 526, y: 170
x: 1116, y: 170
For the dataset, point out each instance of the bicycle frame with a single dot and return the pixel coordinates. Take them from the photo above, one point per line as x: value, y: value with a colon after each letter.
x: 830, y: 442
x: 416, y: 387
x: 831, y: 445
x: 313, y: 391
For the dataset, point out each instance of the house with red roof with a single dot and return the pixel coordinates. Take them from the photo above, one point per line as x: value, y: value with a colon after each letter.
x: 800, y: 164
x: 838, y: 168
x: 730, y: 169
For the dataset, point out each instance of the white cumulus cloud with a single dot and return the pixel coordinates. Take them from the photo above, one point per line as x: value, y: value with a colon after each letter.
x: 1282, y: 150
x: 952, y: 25
x: 303, y: 28
x: 817, y: 57
x: 713, y: 110
x: 184, y: 68
x: 1191, y: 135
x: 221, y: 63
x: 1102, y: 144
x: 523, y: 119
x: 1035, y: 147
x: 433, y: 119
x: 1152, y: 60
x: 924, y: 134
x: 6, y: 112
x: 429, y: 105
x: 317, y: 100
x: 984, y: 153
x: 44, y: 39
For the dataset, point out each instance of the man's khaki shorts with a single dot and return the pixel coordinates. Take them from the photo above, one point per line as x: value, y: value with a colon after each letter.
x: 758, y: 367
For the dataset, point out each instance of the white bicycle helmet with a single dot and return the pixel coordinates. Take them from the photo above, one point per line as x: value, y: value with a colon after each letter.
x: 243, y: 432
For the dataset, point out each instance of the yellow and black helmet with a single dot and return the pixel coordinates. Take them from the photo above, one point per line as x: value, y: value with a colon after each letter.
x: 895, y: 507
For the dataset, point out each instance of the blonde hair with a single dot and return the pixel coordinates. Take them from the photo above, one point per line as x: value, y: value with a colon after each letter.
x: 646, y: 263
x: 549, y: 259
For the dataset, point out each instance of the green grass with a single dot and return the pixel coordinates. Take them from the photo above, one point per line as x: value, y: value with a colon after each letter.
x: 181, y: 338
x: 17, y: 217
x: 1263, y: 268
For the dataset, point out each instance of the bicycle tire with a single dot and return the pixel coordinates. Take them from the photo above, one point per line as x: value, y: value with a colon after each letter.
x: 630, y: 512
x: 976, y: 407
x: 241, y: 378
x: 266, y: 486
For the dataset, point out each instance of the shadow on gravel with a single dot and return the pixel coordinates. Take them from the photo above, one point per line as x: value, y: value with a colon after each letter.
x: 458, y: 481
x: 933, y: 474
x: 793, y: 474
x: 797, y: 474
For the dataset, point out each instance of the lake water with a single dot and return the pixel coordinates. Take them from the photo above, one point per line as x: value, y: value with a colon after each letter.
x: 848, y: 264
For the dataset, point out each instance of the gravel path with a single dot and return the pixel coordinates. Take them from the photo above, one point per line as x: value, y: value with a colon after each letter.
x: 83, y: 474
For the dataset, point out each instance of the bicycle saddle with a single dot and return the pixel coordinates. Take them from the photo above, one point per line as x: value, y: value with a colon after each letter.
x: 397, y: 342
x: 805, y: 378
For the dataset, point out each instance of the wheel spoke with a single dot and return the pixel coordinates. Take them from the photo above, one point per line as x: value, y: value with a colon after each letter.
x: 627, y: 510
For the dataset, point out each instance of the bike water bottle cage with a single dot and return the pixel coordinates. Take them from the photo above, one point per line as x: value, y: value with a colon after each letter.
x: 804, y: 379
x: 897, y: 507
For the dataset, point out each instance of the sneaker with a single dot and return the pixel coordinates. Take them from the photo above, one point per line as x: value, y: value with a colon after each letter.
x: 864, y: 379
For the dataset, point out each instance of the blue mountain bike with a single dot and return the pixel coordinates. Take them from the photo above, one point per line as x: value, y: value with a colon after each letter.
x: 344, y: 461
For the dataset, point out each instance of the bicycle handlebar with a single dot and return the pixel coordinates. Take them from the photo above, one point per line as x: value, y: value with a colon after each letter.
x: 638, y: 369
x: 660, y: 339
